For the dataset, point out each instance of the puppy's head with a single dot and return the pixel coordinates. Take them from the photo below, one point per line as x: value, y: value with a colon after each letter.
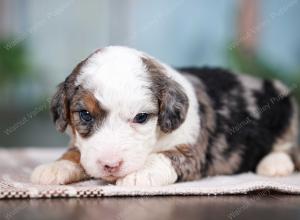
x: 117, y: 104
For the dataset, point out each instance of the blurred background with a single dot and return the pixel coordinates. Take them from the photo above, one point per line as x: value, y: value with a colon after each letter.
x: 41, y: 42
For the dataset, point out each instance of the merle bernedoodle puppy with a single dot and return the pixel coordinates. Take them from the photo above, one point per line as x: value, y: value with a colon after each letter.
x: 136, y: 121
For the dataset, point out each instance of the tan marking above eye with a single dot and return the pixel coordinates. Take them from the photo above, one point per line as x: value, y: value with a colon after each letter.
x: 85, y: 100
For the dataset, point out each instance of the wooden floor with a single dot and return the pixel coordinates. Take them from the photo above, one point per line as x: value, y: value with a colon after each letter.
x: 255, y: 206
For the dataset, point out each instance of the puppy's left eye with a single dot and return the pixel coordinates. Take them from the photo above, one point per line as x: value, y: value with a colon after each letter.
x: 141, y: 118
x: 85, y: 116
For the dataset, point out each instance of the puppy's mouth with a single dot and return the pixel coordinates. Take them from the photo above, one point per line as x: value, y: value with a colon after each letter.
x: 110, y: 178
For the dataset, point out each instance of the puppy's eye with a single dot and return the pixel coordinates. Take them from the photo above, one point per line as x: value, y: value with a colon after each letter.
x: 85, y: 116
x: 141, y: 118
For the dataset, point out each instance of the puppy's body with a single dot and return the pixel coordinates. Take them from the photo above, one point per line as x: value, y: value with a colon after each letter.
x: 199, y: 122
x: 246, y: 119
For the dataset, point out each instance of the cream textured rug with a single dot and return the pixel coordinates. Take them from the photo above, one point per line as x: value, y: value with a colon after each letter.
x: 16, y: 166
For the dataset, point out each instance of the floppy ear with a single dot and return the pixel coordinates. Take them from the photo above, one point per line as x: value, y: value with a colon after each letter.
x: 60, y: 101
x: 173, y: 105
x: 172, y: 100
x: 59, y: 108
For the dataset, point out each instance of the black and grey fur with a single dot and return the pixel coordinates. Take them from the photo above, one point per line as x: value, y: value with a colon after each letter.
x: 243, y: 119
x: 202, y: 122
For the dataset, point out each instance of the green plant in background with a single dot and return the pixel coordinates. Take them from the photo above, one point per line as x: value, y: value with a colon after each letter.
x: 250, y: 63
x: 14, y: 64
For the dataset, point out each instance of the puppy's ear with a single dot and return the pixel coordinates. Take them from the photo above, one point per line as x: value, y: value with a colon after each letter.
x: 59, y: 108
x: 173, y: 106
x: 60, y: 101
x: 172, y: 100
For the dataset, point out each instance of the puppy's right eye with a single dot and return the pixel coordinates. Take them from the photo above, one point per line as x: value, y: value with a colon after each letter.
x: 85, y: 116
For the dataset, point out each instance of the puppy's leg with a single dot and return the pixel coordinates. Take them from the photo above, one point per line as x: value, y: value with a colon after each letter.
x: 280, y: 162
x: 158, y: 171
x: 63, y: 171
x: 166, y: 168
x: 276, y: 164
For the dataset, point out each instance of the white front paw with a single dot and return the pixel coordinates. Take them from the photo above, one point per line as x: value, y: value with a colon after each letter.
x: 158, y: 171
x: 58, y: 172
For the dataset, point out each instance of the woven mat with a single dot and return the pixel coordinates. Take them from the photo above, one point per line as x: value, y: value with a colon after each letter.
x: 16, y: 166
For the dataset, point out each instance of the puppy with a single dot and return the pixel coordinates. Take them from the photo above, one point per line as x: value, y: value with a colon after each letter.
x: 138, y: 122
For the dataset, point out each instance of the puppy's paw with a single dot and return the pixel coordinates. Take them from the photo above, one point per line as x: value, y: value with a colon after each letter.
x: 158, y: 171
x: 276, y: 164
x: 58, y: 172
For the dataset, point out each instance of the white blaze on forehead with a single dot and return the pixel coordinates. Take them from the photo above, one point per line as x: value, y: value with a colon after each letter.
x: 117, y: 77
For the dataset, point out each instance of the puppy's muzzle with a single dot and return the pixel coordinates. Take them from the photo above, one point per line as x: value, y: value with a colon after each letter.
x: 110, y: 166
